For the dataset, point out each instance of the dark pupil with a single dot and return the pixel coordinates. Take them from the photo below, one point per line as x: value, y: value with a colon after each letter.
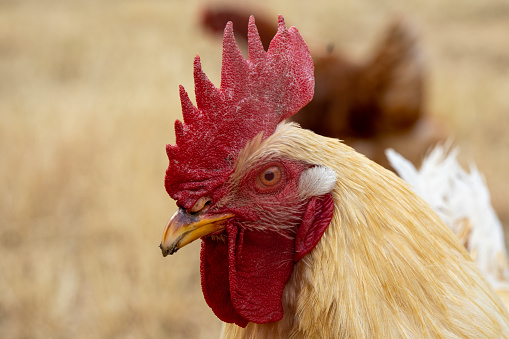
x: 269, y: 176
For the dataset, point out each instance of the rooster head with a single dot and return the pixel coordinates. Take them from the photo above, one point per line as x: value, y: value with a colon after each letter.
x: 257, y: 212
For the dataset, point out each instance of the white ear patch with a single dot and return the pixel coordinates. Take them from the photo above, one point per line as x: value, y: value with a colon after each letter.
x: 316, y: 181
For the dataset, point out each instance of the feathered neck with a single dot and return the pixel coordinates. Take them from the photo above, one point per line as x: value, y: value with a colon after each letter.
x: 386, y: 266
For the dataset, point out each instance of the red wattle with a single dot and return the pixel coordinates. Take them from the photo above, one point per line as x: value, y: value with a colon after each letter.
x: 215, y: 283
x: 260, y: 265
x: 315, y: 221
x: 243, y: 280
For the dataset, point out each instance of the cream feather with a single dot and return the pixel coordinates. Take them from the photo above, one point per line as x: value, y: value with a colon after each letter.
x: 387, y: 266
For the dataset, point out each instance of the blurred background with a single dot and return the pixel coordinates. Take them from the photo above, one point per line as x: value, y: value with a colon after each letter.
x: 88, y: 97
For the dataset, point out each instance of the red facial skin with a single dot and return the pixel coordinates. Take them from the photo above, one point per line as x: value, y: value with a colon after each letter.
x: 243, y: 277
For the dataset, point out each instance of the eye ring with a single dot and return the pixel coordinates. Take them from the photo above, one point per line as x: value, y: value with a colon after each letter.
x: 270, y: 177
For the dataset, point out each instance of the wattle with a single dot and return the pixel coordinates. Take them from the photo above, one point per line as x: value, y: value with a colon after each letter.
x: 243, y: 280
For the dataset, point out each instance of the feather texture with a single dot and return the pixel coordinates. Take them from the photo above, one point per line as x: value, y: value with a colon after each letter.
x: 386, y: 267
x: 462, y: 200
x: 304, y: 237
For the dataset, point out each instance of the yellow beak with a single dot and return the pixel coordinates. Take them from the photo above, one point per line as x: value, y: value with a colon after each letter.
x: 184, y: 228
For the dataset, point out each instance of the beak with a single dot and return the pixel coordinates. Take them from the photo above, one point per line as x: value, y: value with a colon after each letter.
x: 184, y: 228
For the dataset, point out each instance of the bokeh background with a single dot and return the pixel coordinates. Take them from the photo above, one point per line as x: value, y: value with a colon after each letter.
x: 88, y: 97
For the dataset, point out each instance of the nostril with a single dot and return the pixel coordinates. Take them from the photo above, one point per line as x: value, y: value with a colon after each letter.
x: 200, y: 205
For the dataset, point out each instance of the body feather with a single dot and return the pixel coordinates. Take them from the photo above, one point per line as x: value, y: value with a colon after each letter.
x: 462, y: 200
x: 386, y: 267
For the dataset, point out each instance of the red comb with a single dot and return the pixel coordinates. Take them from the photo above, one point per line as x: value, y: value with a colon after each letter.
x: 255, y: 95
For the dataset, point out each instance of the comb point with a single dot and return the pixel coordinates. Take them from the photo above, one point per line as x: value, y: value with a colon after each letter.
x: 197, y: 64
x: 281, y: 26
x: 179, y: 132
x: 228, y: 29
x: 234, y: 69
x: 207, y: 95
x: 189, y: 112
x: 171, y: 150
x: 230, y: 46
x: 255, y: 45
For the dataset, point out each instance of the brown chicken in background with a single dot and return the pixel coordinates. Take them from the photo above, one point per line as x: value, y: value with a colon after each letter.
x: 372, y: 105
x: 214, y: 18
x: 302, y: 237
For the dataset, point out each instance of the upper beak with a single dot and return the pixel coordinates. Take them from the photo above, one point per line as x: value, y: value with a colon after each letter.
x: 183, y: 228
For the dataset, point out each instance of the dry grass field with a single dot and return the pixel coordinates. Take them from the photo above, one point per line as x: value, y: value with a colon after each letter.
x: 88, y: 96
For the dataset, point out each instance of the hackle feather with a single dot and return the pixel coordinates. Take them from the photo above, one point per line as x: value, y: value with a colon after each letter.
x: 387, y: 266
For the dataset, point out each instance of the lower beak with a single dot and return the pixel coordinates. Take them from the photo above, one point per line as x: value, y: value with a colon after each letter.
x: 184, y: 228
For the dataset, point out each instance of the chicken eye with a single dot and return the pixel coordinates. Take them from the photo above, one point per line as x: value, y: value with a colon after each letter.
x: 270, y: 176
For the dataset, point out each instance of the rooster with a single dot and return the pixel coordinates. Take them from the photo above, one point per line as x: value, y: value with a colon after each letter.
x: 302, y: 237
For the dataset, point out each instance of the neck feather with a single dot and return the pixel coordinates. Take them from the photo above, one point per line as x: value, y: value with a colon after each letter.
x: 386, y: 266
